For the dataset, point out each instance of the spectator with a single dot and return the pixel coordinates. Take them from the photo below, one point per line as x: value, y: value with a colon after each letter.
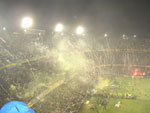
x: 16, y: 107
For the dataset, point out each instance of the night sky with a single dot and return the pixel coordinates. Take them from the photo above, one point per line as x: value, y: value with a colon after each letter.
x: 98, y: 16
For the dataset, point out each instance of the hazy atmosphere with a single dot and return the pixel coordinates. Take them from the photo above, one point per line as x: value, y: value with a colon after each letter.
x: 74, y: 56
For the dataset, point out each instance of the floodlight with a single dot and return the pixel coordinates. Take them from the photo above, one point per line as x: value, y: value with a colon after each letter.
x: 4, y: 28
x: 105, y: 35
x: 80, y: 30
x: 26, y: 22
x: 59, y: 28
x: 134, y: 36
x: 25, y: 30
x: 123, y: 35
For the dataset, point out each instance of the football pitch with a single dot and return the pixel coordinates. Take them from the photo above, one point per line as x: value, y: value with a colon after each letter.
x: 132, y: 93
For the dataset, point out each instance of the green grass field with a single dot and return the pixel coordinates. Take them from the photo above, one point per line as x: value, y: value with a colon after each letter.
x: 139, y: 87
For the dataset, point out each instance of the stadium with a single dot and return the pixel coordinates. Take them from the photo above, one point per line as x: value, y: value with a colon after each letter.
x: 65, y: 68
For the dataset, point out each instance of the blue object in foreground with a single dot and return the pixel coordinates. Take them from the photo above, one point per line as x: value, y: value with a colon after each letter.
x: 16, y: 107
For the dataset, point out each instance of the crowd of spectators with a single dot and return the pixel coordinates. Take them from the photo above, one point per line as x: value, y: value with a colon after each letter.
x: 71, y: 95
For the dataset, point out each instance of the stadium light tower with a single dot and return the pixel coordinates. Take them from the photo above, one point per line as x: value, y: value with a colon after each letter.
x: 27, y: 22
x: 80, y: 30
x: 59, y: 28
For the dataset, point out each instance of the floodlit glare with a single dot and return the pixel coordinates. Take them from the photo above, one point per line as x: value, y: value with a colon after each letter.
x: 80, y: 30
x: 134, y: 36
x: 106, y: 35
x: 4, y: 28
x: 59, y: 28
x: 27, y: 22
x: 25, y: 30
